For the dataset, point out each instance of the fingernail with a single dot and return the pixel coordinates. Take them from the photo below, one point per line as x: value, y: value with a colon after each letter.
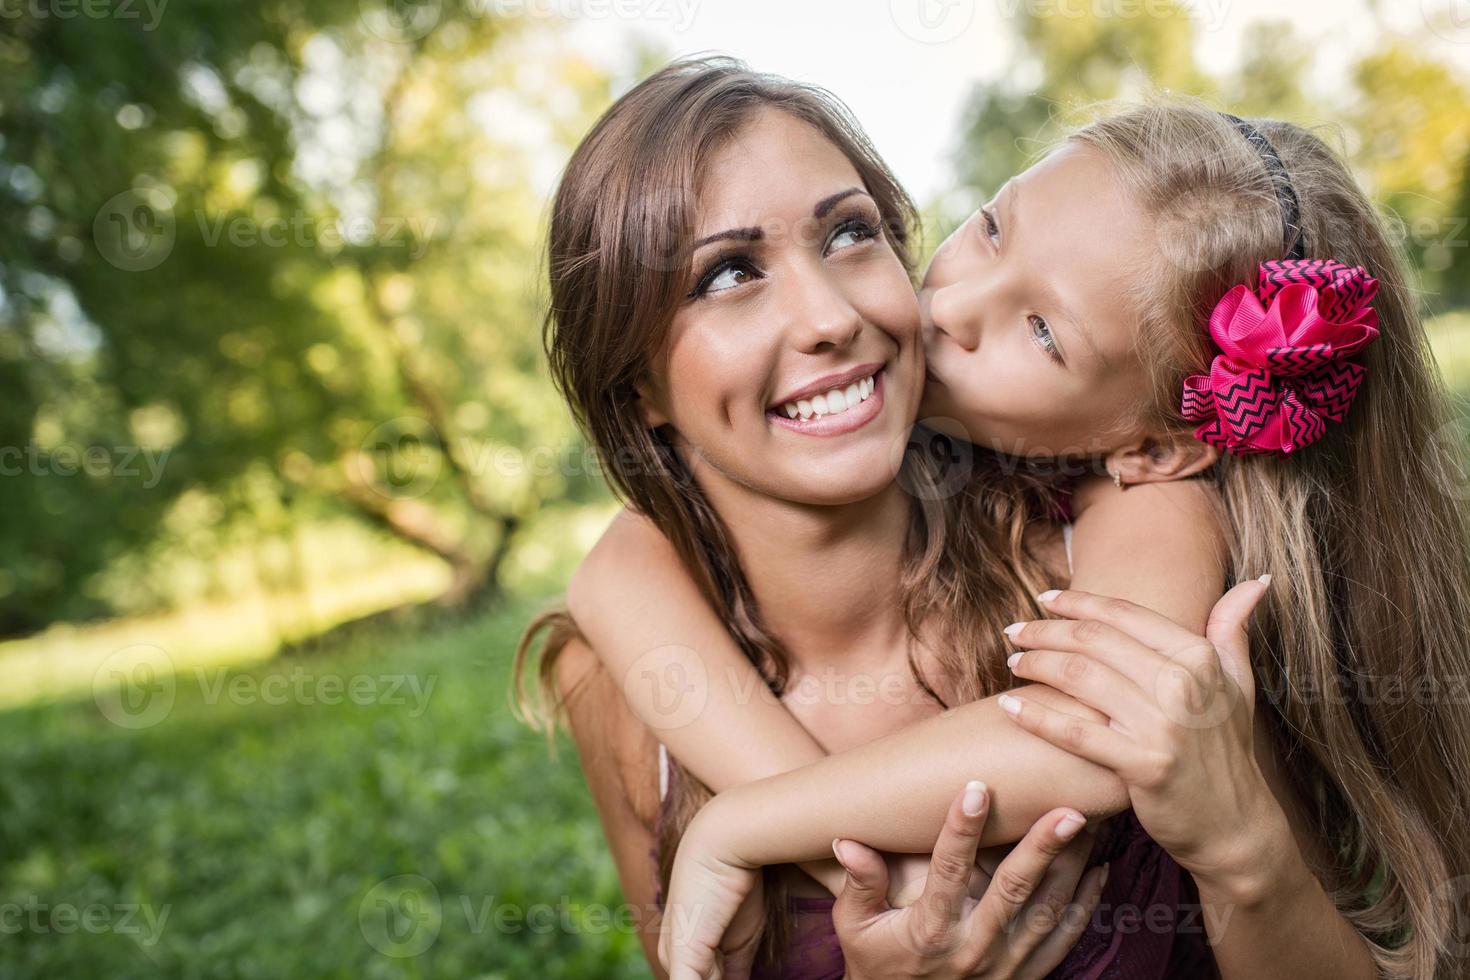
x: 1265, y: 579
x: 1068, y: 826
x: 1048, y: 595
x: 974, y: 800
x: 1106, y: 868
x: 1013, y: 629
x: 1010, y: 705
x: 838, y: 854
x: 1012, y: 659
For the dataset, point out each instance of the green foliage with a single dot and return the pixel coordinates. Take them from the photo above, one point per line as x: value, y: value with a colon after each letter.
x: 291, y: 252
x: 256, y: 832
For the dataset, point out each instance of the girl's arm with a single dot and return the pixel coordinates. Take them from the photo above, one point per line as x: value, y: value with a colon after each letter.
x: 685, y: 678
x: 679, y: 670
x: 676, y: 663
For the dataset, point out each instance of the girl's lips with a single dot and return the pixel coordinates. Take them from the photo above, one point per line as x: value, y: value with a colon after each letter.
x: 835, y: 425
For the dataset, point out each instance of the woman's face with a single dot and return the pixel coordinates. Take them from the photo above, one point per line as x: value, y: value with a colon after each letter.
x: 794, y: 367
x: 1030, y: 324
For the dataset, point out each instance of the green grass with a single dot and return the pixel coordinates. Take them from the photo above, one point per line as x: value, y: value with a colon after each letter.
x: 244, y: 829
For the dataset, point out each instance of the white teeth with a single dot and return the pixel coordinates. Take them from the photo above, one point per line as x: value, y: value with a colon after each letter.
x: 832, y: 402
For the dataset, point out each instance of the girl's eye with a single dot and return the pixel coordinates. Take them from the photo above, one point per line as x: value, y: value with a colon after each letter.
x: 991, y: 228
x: 725, y: 275
x: 850, y: 233
x: 1042, y: 336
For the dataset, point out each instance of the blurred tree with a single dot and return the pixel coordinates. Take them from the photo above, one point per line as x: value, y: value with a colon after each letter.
x: 289, y: 247
x: 1405, y: 116
x: 1410, y: 119
x: 1065, y: 64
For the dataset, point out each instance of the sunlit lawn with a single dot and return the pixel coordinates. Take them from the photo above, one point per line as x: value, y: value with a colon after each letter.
x: 245, y: 828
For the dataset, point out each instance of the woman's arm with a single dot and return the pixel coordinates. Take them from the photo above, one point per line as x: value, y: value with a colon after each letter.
x: 616, y: 754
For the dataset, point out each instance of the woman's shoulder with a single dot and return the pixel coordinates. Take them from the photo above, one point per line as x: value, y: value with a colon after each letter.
x: 619, y: 755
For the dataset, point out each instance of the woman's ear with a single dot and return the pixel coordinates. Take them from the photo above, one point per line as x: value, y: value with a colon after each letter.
x: 1160, y: 459
x: 648, y: 405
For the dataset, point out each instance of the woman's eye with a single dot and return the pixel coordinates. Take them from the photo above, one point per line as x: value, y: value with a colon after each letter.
x: 729, y: 278
x: 1041, y: 334
x: 725, y: 275
x: 851, y: 233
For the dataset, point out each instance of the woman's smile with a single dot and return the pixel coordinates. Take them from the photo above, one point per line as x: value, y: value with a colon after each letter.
x: 833, y: 405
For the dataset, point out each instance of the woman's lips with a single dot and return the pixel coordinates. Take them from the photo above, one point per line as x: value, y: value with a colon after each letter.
x: 849, y: 420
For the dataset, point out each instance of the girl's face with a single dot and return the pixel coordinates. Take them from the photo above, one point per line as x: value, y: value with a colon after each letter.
x: 1029, y: 321
x: 795, y: 365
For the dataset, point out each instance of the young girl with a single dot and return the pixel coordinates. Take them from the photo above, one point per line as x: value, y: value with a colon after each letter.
x: 692, y: 298
x: 1165, y: 250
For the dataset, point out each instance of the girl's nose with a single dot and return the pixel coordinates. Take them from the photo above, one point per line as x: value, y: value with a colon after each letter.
x: 947, y: 315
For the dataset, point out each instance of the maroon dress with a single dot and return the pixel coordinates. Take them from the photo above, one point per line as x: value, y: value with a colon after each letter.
x: 1148, y: 924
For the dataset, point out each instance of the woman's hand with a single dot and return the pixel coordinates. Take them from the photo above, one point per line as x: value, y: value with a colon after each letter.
x: 1021, y: 926
x: 1181, y: 710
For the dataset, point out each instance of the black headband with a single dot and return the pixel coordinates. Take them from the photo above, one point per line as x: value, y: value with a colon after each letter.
x: 1293, y: 236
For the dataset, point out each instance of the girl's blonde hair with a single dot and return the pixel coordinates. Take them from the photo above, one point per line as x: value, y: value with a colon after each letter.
x: 1360, y: 651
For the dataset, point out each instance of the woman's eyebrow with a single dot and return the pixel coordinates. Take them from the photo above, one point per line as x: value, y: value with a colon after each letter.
x: 743, y: 234
x: 752, y: 234
x: 830, y: 201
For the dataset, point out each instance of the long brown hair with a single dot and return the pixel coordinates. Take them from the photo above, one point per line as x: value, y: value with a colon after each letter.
x: 1365, y: 532
x: 621, y: 226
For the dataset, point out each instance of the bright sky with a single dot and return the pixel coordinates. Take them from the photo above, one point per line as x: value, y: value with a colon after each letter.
x: 905, y: 66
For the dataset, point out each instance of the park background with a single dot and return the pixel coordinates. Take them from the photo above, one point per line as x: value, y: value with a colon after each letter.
x: 281, y: 472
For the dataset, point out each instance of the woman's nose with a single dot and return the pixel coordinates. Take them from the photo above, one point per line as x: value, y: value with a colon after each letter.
x: 823, y: 318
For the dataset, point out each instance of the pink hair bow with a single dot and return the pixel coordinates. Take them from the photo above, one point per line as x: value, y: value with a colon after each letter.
x: 1283, y: 371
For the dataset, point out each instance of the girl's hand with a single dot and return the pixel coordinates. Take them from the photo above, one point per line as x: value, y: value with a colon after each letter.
x: 1021, y: 926
x: 1181, y: 710
x: 707, y: 888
